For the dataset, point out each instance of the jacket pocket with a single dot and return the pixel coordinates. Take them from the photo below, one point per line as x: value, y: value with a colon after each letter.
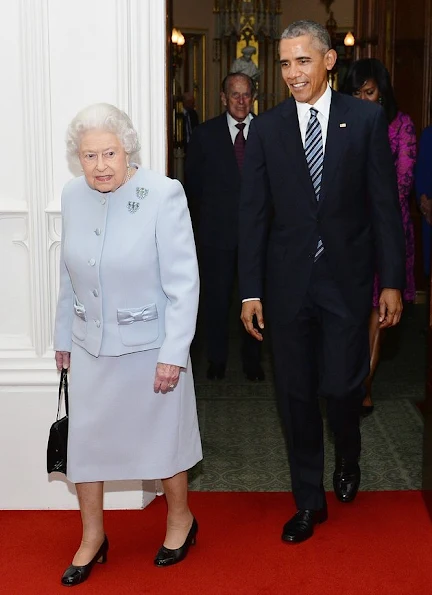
x: 79, y: 325
x: 138, y: 326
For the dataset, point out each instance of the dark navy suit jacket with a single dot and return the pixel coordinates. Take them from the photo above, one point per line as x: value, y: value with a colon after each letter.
x: 423, y: 182
x: 213, y: 182
x: 358, y: 216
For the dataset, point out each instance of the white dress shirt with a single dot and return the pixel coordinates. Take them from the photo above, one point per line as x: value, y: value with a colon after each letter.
x: 323, y: 108
x: 232, y: 125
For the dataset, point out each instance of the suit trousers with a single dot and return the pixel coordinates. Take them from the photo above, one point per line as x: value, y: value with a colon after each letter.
x: 323, y: 352
x: 218, y: 271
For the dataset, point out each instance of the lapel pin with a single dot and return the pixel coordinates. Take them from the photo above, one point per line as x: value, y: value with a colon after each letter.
x: 342, y: 125
x: 141, y: 193
x: 133, y: 206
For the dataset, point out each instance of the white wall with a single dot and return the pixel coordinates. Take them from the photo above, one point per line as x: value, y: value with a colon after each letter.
x: 57, y: 56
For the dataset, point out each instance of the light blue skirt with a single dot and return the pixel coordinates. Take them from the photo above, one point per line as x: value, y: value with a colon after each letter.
x: 119, y: 428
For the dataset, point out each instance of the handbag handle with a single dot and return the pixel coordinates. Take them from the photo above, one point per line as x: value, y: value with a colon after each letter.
x: 63, y: 385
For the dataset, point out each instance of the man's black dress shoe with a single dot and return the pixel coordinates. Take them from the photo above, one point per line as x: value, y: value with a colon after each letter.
x: 215, y: 371
x: 300, y: 527
x: 167, y: 557
x: 254, y: 372
x: 346, y: 480
x: 74, y: 575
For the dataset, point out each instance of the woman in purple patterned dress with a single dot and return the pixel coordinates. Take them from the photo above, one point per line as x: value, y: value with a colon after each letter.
x: 369, y: 79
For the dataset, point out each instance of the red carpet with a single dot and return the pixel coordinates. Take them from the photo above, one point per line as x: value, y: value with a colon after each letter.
x: 381, y: 544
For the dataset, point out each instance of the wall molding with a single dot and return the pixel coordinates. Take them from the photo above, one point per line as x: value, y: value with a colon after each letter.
x: 145, y: 103
x: 37, y: 158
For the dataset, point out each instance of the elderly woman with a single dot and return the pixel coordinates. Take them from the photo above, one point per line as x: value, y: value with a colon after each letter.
x: 368, y: 79
x: 126, y: 316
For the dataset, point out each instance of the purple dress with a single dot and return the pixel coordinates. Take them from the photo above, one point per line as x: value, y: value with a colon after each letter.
x: 403, y: 145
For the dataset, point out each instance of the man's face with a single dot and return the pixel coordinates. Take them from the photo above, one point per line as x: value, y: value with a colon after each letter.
x: 188, y: 101
x: 238, y: 98
x: 304, y: 67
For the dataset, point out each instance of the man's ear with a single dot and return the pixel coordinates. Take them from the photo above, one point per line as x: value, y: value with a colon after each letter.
x: 330, y: 59
x: 223, y: 98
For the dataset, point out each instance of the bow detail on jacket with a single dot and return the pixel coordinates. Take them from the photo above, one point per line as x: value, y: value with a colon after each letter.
x: 131, y: 315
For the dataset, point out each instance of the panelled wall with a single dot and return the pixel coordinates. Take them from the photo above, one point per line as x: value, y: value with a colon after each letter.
x: 57, y: 57
x: 192, y: 16
x: 399, y: 33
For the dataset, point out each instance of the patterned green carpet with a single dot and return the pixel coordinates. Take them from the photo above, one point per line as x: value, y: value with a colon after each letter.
x: 244, y: 449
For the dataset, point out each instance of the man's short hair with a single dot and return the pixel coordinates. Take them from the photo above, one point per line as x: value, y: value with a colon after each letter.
x: 227, y: 80
x: 318, y: 32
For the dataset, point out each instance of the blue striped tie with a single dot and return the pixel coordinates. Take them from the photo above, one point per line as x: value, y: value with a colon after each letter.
x: 315, y: 158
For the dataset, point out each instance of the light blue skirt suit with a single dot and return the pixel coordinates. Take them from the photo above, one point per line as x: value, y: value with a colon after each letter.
x: 128, y: 298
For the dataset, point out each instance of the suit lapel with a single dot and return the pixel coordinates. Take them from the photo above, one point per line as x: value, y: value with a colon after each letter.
x: 293, y: 146
x: 337, y: 136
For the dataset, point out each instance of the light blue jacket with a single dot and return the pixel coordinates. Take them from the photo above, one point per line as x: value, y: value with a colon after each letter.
x: 128, y: 269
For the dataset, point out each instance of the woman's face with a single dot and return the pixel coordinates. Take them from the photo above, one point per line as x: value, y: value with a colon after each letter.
x: 103, y: 159
x: 368, y: 91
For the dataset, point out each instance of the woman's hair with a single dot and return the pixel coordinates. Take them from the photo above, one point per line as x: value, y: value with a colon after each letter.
x: 368, y: 69
x: 102, y: 116
x: 319, y: 34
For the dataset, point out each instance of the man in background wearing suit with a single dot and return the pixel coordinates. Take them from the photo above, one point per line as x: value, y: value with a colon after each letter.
x: 190, y: 117
x: 319, y: 212
x: 213, y: 176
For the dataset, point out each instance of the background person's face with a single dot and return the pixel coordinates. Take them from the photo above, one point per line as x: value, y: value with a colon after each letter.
x: 304, y: 68
x: 238, y: 98
x: 369, y: 91
x: 103, y: 160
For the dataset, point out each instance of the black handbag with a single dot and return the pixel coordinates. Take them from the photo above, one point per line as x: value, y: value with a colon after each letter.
x: 58, y: 436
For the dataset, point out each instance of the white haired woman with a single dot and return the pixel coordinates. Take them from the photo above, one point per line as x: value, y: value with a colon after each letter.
x: 126, y: 316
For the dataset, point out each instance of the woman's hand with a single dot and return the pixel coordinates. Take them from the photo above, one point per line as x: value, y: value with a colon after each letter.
x: 166, y: 377
x: 426, y: 208
x: 62, y: 359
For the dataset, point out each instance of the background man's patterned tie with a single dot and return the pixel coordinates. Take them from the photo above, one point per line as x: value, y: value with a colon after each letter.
x: 315, y: 157
x: 239, y: 145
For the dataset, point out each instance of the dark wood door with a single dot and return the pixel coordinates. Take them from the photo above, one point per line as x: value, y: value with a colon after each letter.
x: 399, y: 34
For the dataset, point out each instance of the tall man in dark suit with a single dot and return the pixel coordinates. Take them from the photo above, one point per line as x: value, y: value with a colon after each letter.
x: 319, y: 212
x: 213, y: 176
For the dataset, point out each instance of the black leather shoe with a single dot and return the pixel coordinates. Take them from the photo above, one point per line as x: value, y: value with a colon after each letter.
x: 346, y: 480
x: 300, y: 527
x: 74, y: 575
x: 167, y: 557
x: 215, y: 371
x: 254, y: 372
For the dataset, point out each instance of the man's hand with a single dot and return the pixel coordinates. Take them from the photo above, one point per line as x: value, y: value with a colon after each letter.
x: 62, y: 359
x: 248, y: 310
x: 166, y: 377
x: 390, y: 307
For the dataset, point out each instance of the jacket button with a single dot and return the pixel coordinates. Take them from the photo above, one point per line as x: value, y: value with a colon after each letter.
x: 92, y: 262
x: 95, y: 292
x: 103, y: 200
x: 97, y: 323
x: 97, y: 231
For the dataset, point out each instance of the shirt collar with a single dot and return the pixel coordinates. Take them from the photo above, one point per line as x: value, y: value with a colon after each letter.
x: 232, y: 122
x: 322, y: 105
